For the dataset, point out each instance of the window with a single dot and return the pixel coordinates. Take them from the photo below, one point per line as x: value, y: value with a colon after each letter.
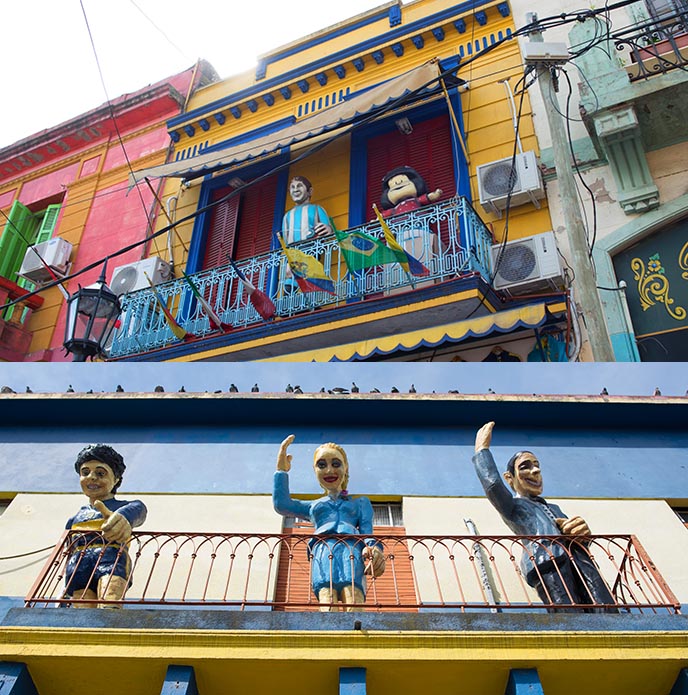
x: 23, y: 229
x: 240, y: 227
x: 682, y: 514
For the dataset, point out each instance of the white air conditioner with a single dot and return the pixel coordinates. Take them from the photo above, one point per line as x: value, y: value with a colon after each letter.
x: 132, y: 277
x: 521, y: 175
x: 528, y: 265
x: 53, y: 252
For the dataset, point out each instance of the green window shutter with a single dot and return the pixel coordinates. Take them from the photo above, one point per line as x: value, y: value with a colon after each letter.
x: 48, y: 223
x: 19, y: 233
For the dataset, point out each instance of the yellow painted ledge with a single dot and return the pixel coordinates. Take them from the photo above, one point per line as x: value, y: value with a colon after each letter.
x: 22, y: 643
x: 504, y: 320
x: 336, y: 324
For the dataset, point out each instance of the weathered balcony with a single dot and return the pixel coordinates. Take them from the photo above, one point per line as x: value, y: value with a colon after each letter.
x: 655, y: 47
x: 15, y: 338
x: 449, y: 238
x: 423, y: 573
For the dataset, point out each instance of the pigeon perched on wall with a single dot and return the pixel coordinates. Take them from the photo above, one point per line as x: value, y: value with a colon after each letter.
x: 233, y: 388
x: 255, y: 389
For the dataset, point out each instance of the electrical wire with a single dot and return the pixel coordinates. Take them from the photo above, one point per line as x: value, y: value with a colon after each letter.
x: 149, y: 220
x: 31, y: 552
x: 593, y: 202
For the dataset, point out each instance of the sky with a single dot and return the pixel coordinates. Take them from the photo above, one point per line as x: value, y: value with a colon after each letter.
x: 50, y: 67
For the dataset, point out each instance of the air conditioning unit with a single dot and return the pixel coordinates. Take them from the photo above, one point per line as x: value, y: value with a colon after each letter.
x: 528, y: 265
x: 520, y: 175
x: 132, y: 277
x: 55, y: 252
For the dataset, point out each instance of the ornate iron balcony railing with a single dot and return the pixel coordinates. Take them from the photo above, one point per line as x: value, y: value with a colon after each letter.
x: 656, y: 46
x: 449, y: 238
x: 272, y: 572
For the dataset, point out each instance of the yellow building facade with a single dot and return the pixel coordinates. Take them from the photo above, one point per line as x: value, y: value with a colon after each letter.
x: 425, y: 85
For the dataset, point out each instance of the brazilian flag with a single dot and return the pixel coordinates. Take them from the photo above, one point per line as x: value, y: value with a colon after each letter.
x: 362, y: 251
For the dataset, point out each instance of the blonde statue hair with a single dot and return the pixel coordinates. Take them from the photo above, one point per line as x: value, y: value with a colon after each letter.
x: 345, y: 460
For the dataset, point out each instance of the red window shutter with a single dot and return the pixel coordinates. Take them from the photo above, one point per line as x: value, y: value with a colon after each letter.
x: 394, y: 587
x: 256, y: 219
x: 428, y: 149
x: 221, y: 231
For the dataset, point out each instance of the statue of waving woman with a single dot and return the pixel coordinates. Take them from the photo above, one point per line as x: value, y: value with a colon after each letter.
x: 338, y: 563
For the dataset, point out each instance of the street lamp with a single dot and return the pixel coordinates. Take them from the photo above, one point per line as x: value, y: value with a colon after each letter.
x: 91, y: 316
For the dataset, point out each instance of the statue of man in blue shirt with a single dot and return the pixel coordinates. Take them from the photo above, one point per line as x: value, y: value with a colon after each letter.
x: 561, y: 571
x: 99, y: 566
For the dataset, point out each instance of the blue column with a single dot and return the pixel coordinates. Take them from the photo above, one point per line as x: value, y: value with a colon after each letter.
x: 524, y: 681
x: 352, y: 681
x: 179, y: 680
x: 681, y: 684
x: 15, y: 679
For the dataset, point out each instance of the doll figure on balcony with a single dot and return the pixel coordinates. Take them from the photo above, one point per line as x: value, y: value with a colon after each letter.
x: 99, y: 566
x: 338, y: 564
x: 404, y: 190
x: 562, y: 572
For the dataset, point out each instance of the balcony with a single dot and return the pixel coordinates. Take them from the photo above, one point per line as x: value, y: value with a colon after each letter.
x: 249, y: 572
x: 634, y: 98
x: 449, y: 238
x: 15, y: 338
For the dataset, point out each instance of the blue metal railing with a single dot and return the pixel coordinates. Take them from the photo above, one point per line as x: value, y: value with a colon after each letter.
x: 449, y: 238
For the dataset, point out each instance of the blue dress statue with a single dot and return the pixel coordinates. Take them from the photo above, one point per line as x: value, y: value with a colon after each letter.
x: 338, y: 564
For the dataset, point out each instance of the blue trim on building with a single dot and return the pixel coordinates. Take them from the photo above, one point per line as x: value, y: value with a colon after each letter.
x: 681, y: 684
x: 322, y: 38
x: 179, y: 680
x: 15, y: 679
x: 272, y: 127
x: 524, y: 681
x: 607, y: 443
x: 338, y: 57
x: 625, y: 347
x: 352, y: 681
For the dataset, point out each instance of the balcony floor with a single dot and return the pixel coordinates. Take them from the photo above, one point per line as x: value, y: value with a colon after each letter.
x: 423, y: 308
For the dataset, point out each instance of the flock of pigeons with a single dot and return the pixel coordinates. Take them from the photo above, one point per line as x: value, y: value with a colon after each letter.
x: 293, y: 389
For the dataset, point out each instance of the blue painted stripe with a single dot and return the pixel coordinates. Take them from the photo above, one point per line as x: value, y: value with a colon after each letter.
x: 179, y: 680
x: 322, y: 38
x: 15, y: 679
x: 272, y: 127
x: 681, y: 684
x: 524, y: 681
x: 338, y: 57
x: 352, y: 681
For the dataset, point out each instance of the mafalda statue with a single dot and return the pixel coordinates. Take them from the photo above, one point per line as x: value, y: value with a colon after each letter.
x: 338, y: 563
x: 404, y: 190
x: 99, y: 566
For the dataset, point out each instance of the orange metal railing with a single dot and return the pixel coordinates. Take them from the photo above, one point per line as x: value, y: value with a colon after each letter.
x: 272, y: 571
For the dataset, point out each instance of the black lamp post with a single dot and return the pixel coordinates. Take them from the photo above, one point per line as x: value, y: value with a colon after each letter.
x: 91, y: 316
